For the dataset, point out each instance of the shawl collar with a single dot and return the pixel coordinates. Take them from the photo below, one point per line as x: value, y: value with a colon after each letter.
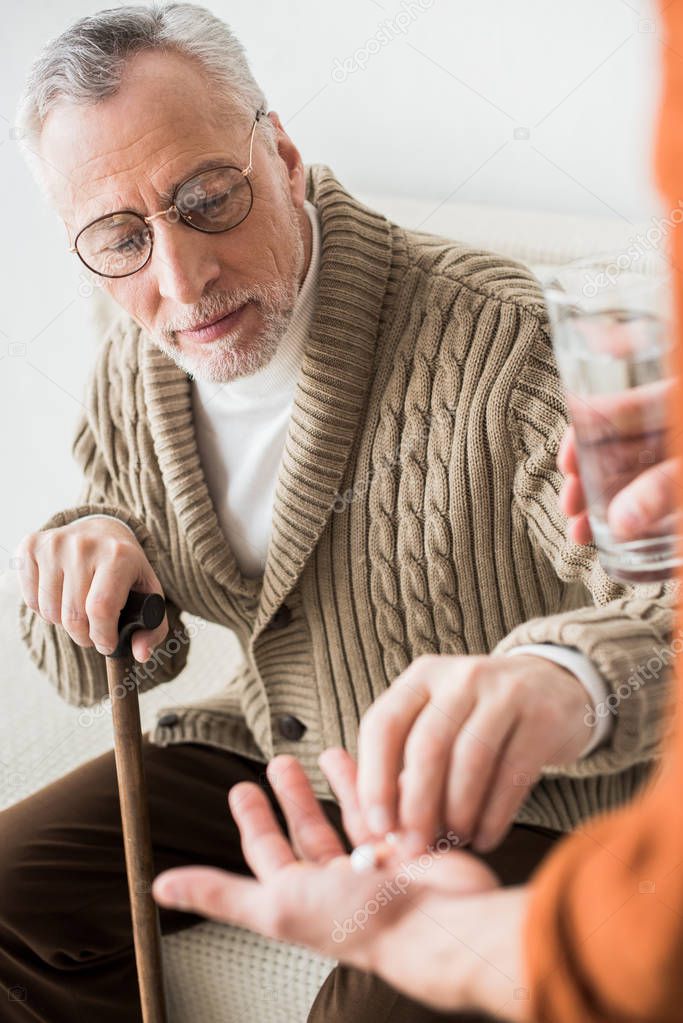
x: 355, y: 259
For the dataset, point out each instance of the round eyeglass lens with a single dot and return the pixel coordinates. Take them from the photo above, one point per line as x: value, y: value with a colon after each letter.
x: 116, y: 245
x: 215, y: 200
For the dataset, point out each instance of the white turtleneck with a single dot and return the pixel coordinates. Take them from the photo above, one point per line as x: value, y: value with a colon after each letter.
x: 241, y: 428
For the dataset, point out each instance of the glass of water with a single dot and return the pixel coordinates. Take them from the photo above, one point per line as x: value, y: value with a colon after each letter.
x: 612, y: 338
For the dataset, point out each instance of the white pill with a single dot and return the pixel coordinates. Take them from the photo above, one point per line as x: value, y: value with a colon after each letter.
x: 364, y: 857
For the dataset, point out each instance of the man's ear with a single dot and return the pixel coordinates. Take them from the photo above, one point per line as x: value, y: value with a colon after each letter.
x: 291, y: 158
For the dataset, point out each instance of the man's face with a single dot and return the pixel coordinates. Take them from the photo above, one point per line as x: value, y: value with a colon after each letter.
x: 126, y: 151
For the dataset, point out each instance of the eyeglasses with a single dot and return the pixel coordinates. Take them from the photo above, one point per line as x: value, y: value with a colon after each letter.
x: 119, y: 244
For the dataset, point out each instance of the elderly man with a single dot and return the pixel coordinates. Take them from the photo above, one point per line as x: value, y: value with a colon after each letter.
x: 337, y: 438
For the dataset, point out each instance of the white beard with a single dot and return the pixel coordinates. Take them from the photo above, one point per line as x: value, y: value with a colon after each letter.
x: 228, y: 357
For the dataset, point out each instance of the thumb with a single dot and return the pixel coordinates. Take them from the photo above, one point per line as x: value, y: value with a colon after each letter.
x: 460, y: 873
x: 638, y: 509
x: 145, y: 641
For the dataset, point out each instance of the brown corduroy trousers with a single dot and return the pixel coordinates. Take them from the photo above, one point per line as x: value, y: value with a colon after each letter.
x: 65, y: 929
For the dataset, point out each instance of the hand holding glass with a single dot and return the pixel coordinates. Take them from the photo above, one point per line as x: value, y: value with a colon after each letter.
x: 612, y: 337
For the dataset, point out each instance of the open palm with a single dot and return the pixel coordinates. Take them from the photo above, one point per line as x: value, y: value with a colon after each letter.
x: 417, y: 923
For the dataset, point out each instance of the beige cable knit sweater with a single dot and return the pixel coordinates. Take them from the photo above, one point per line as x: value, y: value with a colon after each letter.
x: 416, y: 512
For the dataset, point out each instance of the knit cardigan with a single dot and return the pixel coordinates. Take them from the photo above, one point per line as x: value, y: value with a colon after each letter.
x: 416, y: 512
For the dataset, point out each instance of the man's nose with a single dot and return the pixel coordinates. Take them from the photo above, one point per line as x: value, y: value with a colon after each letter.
x: 183, y: 261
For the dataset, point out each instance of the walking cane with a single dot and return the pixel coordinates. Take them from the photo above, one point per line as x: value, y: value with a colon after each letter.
x: 141, y: 611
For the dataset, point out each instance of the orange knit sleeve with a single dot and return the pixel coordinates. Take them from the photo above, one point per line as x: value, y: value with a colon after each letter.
x: 604, y: 934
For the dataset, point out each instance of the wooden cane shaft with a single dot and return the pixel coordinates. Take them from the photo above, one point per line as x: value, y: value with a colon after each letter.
x: 137, y: 838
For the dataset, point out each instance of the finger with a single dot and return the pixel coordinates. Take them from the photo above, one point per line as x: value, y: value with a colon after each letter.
x: 28, y: 576
x: 383, y: 732
x: 427, y: 757
x: 145, y: 642
x: 567, y: 461
x: 626, y: 413
x: 516, y: 773
x: 579, y: 529
x: 341, y: 772
x: 50, y: 583
x: 106, y: 597
x: 311, y: 833
x: 73, y: 616
x: 572, y: 499
x: 572, y: 502
x: 669, y: 523
x: 474, y: 761
x: 638, y: 508
x: 216, y: 894
x: 458, y: 873
x: 265, y: 848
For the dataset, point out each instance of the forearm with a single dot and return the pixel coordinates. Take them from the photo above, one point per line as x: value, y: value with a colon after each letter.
x: 604, y: 935
x: 497, y: 984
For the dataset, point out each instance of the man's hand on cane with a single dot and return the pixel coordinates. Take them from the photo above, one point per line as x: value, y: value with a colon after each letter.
x: 79, y: 576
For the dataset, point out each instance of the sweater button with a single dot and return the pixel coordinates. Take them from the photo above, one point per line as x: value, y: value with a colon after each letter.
x: 281, y: 618
x: 290, y: 727
x: 168, y: 720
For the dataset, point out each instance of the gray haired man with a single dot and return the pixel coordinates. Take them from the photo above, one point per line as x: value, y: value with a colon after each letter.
x: 336, y: 438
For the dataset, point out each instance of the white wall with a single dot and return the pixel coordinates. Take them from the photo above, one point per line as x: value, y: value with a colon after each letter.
x: 541, y: 104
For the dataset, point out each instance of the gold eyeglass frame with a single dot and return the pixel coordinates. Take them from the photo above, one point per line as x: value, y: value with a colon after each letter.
x: 184, y: 217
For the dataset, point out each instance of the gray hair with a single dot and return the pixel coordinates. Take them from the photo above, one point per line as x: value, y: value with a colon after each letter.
x: 87, y: 61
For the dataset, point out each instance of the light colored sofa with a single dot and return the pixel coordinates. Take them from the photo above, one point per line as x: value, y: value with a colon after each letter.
x: 215, y: 973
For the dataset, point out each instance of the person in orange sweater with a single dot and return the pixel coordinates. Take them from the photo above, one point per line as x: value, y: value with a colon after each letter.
x: 596, y: 936
x: 603, y: 935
